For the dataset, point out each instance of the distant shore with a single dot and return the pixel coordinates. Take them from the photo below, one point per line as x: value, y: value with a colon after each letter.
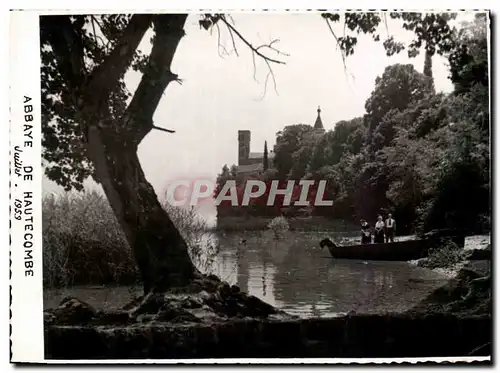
x: 310, y: 223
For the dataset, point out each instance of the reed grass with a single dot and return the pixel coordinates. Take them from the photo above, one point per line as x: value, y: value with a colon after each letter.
x: 83, y: 243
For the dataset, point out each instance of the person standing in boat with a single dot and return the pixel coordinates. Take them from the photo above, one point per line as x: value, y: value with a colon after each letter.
x: 390, y: 228
x: 379, y: 230
x: 366, y: 234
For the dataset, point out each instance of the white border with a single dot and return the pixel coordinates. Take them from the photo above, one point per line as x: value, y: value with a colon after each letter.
x: 27, y: 292
x: 318, y: 361
x: 27, y: 320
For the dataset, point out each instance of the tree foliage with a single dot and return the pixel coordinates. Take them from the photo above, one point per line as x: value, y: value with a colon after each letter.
x: 72, y: 52
x: 469, y: 59
x: 288, y: 142
x: 423, y: 155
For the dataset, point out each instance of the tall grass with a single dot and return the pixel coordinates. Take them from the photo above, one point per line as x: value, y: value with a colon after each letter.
x: 84, y: 244
x: 279, y: 226
x: 446, y: 255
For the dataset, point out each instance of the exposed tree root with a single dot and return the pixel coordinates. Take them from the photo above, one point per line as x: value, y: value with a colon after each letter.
x: 205, y: 299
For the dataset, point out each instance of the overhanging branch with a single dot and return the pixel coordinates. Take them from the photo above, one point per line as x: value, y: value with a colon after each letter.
x: 256, y: 50
x: 138, y: 117
x: 338, y: 43
x: 106, y: 75
x: 95, y: 21
x: 162, y: 129
x: 249, y: 45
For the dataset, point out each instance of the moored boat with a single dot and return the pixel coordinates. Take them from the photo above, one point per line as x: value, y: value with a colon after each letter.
x: 391, y: 251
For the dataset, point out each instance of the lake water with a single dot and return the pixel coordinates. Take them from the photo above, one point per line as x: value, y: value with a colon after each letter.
x: 295, y: 275
x: 302, y: 279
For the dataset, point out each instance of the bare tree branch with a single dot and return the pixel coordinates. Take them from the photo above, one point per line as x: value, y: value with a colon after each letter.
x: 219, y: 44
x: 162, y: 129
x: 231, y: 19
x: 270, y: 46
x: 265, y: 85
x: 385, y: 22
x: 105, y: 43
x: 249, y: 45
x: 254, y: 68
x: 342, y: 53
x: 338, y: 43
x: 234, y: 43
x: 270, y: 73
x: 93, y: 28
x: 256, y: 51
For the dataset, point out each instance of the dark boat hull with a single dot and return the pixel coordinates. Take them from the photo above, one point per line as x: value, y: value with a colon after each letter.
x: 393, y: 251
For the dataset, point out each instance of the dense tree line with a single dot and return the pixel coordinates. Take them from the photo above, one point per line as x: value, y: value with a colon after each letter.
x: 423, y: 155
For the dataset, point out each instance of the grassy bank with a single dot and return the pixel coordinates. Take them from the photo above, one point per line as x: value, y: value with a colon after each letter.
x: 468, y: 293
x: 83, y: 242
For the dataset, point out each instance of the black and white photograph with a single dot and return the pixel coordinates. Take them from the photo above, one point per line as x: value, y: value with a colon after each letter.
x: 251, y: 186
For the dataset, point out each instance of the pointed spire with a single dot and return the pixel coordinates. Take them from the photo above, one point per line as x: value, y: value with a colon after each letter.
x: 319, y: 123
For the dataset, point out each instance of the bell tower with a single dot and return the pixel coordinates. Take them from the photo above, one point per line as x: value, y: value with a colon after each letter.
x: 243, y: 147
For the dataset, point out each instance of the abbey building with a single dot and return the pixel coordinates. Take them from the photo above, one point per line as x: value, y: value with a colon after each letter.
x: 253, y: 162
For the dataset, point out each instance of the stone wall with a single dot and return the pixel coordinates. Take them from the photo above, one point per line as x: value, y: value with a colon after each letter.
x: 354, y: 336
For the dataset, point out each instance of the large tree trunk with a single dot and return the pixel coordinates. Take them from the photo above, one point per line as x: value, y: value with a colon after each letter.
x: 159, y: 249
x: 112, y: 139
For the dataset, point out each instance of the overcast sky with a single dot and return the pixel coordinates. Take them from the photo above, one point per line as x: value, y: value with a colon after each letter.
x: 219, y: 96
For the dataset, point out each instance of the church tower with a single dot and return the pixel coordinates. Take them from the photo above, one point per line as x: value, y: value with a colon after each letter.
x: 318, y: 125
x: 243, y: 147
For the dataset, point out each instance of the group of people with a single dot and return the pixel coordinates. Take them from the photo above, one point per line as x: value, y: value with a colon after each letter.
x: 382, y: 232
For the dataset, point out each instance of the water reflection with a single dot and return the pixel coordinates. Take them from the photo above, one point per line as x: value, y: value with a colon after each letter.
x: 297, y: 276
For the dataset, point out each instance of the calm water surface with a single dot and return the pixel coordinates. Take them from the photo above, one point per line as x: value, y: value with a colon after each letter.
x: 295, y: 275
x: 300, y: 278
